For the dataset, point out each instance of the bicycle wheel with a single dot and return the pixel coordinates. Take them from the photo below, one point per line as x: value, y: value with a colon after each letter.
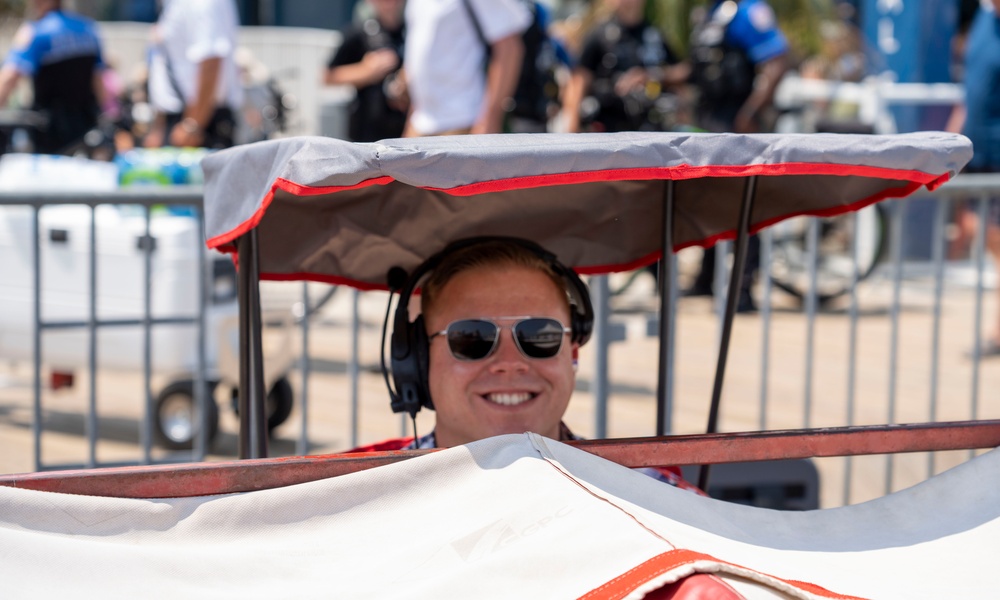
x: 835, y: 252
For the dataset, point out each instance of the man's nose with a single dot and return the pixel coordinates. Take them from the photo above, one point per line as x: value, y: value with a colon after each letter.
x: 507, y: 356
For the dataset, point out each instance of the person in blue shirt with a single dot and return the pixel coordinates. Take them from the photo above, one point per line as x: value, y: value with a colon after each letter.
x: 979, y: 119
x: 738, y: 56
x: 61, y: 52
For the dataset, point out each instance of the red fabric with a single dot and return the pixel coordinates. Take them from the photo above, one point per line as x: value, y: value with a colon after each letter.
x: 673, y: 475
x: 624, y: 584
x: 383, y: 446
x: 696, y: 587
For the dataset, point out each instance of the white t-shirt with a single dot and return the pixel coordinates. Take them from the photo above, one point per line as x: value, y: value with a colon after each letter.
x: 444, y: 57
x: 190, y: 31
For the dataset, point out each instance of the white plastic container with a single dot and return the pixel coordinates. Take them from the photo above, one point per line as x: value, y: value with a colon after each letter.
x: 64, y: 242
x: 65, y: 270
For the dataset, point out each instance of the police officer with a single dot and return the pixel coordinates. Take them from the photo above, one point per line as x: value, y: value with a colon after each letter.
x: 61, y: 52
x: 737, y: 59
x: 624, y: 65
x: 738, y: 56
x: 368, y: 60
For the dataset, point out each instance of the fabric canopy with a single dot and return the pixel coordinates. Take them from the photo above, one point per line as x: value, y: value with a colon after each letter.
x: 334, y: 211
x: 516, y: 516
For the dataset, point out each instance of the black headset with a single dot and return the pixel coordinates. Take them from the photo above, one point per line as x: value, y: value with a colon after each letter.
x: 409, y: 346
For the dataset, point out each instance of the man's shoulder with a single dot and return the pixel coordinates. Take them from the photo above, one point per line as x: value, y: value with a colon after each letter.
x: 221, y: 12
x: 501, y: 18
x: 754, y: 16
x: 754, y: 28
x: 60, y: 20
x: 353, y: 34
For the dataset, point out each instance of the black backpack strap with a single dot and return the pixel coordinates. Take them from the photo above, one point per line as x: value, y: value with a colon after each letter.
x: 475, y: 25
x: 171, y: 77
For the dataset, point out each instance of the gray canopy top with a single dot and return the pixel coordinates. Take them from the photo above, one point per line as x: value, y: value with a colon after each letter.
x: 329, y: 210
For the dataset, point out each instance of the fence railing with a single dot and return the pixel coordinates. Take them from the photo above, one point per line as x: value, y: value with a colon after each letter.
x: 873, y: 325
x: 83, y: 257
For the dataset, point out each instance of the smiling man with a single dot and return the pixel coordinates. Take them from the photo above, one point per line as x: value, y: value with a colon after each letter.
x: 494, y: 349
x: 502, y: 351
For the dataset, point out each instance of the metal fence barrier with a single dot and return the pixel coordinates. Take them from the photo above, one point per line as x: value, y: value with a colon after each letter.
x: 146, y: 198
x: 608, y: 329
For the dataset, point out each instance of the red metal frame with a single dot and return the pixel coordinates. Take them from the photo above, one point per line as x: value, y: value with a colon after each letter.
x: 201, y: 479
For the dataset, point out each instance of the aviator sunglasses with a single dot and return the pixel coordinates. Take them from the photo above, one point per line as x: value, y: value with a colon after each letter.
x: 476, y: 339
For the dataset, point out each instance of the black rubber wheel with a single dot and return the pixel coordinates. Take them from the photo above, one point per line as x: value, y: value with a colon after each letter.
x: 174, y: 423
x: 280, y: 400
x: 789, y: 267
x: 279, y: 403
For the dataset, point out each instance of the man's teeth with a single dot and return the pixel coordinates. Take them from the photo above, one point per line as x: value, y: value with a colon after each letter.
x: 509, y: 399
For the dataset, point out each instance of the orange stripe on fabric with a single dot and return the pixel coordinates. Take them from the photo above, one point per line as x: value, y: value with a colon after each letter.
x: 222, y: 240
x: 627, y: 582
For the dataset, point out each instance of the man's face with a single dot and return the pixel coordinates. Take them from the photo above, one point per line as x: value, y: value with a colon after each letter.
x: 467, y: 394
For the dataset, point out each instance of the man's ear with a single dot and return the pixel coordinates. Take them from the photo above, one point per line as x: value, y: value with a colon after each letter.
x: 576, y: 351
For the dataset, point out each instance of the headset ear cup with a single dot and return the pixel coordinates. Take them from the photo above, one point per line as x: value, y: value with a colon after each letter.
x: 408, y: 350
x: 404, y: 376
x: 421, y: 355
x: 581, y: 308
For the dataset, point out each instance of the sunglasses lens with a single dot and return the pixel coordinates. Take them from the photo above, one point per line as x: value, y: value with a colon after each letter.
x: 472, y: 339
x: 538, y: 337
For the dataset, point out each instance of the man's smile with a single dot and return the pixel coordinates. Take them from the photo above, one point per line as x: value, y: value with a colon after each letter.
x: 509, y: 398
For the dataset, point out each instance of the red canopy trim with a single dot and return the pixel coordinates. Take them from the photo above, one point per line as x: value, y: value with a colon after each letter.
x: 631, y: 580
x: 224, y: 242
x: 917, y: 179
x: 900, y: 192
x: 683, y: 172
x: 305, y: 190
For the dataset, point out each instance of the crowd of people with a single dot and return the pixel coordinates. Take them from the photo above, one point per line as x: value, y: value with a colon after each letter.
x: 472, y: 66
x: 423, y: 67
x: 191, y: 83
x: 468, y: 67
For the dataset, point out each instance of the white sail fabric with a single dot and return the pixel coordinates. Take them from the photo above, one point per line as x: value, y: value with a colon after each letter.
x: 516, y: 516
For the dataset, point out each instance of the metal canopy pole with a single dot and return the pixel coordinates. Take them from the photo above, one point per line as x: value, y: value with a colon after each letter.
x: 732, y: 296
x: 253, y: 418
x: 663, y: 408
